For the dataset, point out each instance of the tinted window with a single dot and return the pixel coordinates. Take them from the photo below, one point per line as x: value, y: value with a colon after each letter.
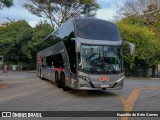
x: 70, y: 46
x: 65, y: 29
x: 64, y: 32
x: 49, y: 41
x: 56, y: 60
x: 96, y: 29
x: 101, y: 59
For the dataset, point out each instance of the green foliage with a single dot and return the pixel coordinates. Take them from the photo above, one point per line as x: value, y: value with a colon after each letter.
x: 141, y: 21
x: 147, y: 46
x: 5, y: 3
x: 27, y: 66
x: 13, y: 38
x: 39, y: 33
x: 18, y: 42
x: 135, y: 20
x: 58, y: 11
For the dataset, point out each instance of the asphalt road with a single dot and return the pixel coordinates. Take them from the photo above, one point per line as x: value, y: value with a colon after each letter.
x: 23, y: 91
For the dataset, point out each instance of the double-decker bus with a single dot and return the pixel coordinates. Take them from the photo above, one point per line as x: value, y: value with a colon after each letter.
x: 83, y: 54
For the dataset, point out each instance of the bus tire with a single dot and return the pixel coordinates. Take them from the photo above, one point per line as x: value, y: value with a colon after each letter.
x: 57, y: 80
x: 65, y: 88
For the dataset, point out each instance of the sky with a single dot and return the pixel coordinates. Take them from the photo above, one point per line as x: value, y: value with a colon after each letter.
x: 17, y: 12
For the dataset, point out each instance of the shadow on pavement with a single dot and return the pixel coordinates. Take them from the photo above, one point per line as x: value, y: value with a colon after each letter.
x: 93, y: 93
x: 87, y: 93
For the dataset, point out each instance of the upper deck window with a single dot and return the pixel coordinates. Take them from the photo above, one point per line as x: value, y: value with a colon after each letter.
x: 96, y: 30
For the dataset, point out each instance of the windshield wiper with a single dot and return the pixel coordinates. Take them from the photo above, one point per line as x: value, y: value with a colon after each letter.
x: 114, y: 71
x: 94, y: 70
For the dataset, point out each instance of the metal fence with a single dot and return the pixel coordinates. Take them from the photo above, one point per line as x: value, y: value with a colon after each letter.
x: 15, y: 67
x: 153, y: 72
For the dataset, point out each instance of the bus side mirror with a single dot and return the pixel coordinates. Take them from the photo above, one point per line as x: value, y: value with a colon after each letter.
x: 131, y: 46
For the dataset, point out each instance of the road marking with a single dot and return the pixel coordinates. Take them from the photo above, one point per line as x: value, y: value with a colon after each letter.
x: 128, y: 104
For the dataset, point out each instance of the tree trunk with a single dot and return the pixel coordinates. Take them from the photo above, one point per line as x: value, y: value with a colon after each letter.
x: 154, y: 71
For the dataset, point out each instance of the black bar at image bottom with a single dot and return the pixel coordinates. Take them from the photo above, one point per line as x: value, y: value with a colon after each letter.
x: 79, y: 114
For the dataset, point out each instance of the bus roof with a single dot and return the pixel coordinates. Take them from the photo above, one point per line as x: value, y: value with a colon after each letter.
x: 96, y: 29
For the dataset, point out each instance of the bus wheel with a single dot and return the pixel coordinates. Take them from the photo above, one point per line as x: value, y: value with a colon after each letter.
x: 58, y: 82
x: 65, y: 88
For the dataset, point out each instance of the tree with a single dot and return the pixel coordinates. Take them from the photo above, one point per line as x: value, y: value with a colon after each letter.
x: 147, y: 11
x: 152, y: 16
x: 18, y: 42
x: 13, y: 38
x: 40, y: 32
x: 146, y: 14
x: 137, y: 7
x: 58, y: 11
x: 5, y: 3
x: 147, y: 46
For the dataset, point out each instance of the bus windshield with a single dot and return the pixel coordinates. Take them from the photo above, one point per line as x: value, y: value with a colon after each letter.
x: 100, y: 59
x: 97, y: 30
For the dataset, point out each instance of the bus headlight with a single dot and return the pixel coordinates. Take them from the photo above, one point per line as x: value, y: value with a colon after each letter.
x: 85, y: 78
x: 120, y: 78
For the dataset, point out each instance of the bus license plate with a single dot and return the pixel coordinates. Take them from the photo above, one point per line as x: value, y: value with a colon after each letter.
x: 104, y: 86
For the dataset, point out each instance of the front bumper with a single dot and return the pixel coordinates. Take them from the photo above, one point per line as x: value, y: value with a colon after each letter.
x: 99, y: 86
